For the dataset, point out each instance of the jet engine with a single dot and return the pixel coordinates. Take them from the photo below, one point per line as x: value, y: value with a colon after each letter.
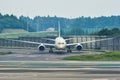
x: 79, y: 47
x: 41, y: 47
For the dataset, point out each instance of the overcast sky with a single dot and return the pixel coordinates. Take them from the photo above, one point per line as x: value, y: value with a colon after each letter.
x: 61, y: 8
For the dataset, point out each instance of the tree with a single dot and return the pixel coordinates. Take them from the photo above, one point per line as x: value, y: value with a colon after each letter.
x: 76, y: 31
x: 113, y: 32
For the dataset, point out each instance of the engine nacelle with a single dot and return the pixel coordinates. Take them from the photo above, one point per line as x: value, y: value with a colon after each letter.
x: 41, y: 47
x: 79, y: 47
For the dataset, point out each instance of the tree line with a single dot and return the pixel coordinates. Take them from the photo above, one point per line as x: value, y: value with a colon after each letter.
x: 39, y: 23
x: 11, y: 22
x: 108, y: 32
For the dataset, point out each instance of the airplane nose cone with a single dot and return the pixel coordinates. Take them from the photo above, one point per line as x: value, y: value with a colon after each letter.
x: 61, y: 47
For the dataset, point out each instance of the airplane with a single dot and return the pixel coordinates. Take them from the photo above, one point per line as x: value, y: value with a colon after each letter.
x: 60, y: 43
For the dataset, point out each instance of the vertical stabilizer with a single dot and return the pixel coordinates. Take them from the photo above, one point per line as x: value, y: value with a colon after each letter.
x: 59, y: 28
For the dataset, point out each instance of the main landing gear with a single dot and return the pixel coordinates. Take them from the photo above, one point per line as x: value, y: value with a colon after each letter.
x: 69, y: 50
x: 51, y: 50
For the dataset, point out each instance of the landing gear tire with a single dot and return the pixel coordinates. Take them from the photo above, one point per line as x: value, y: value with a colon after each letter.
x: 69, y: 51
x: 50, y: 51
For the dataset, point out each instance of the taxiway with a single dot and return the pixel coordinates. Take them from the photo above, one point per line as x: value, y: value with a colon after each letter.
x: 36, y: 55
x: 32, y: 65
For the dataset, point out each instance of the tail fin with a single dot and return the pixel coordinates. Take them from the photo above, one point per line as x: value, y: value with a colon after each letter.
x: 59, y: 28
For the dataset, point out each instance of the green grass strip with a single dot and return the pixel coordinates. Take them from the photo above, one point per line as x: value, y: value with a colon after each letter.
x: 5, y: 53
x: 107, y: 56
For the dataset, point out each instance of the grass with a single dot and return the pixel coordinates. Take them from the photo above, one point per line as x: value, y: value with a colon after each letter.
x: 106, y: 56
x: 15, y: 47
x: 5, y: 53
x: 13, y: 31
x: 27, y: 34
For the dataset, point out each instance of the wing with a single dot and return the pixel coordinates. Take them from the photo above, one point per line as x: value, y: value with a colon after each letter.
x: 46, y: 44
x: 97, y: 40
x: 49, y: 39
x: 73, y: 44
x: 68, y: 39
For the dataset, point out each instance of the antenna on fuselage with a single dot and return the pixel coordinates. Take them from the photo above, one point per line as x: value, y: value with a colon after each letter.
x: 59, y: 28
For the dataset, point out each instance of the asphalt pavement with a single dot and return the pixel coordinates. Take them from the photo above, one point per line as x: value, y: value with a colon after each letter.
x: 59, y: 70
x: 35, y: 65
x: 36, y: 55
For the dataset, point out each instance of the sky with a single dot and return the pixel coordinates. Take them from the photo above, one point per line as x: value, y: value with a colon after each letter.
x: 60, y: 8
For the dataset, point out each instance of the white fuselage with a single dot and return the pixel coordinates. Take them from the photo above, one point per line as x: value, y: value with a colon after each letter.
x: 60, y: 43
